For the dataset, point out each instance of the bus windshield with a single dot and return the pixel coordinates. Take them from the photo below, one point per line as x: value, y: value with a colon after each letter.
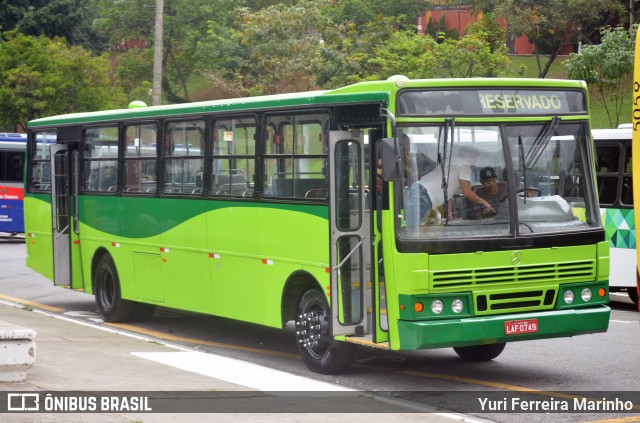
x: 464, y: 180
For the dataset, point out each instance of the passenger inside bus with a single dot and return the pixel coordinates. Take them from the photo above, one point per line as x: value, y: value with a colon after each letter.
x: 427, y: 193
x: 493, y: 191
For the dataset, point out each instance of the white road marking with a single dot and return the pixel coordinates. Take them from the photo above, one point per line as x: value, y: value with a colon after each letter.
x: 239, y: 372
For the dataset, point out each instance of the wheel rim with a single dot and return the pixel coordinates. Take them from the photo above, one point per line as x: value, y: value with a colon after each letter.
x: 312, y: 330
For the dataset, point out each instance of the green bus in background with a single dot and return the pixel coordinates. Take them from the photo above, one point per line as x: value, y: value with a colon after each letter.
x: 311, y: 207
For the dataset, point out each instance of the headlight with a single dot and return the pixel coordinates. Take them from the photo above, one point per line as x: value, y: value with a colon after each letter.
x: 457, y: 305
x: 586, y: 294
x: 437, y: 306
x: 568, y: 296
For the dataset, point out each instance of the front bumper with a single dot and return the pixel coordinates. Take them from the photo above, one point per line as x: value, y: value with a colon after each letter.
x: 415, y: 335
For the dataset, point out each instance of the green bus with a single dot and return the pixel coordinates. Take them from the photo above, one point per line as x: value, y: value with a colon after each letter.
x: 299, y: 208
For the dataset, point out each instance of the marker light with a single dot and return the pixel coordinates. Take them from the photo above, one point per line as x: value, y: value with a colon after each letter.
x: 457, y: 305
x: 602, y: 292
x: 419, y: 307
x: 437, y: 306
x: 586, y: 294
x: 568, y: 296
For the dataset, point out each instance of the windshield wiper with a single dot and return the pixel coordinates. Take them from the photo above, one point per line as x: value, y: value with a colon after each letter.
x: 537, y: 148
x: 449, y: 125
x: 540, y: 144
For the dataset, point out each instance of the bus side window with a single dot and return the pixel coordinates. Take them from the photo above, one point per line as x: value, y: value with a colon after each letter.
x: 607, y: 173
x: 100, y: 159
x: 41, y: 155
x: 140, y: 170
x: 233, y: 151
x: 295, y: 159
x: 184, y: 157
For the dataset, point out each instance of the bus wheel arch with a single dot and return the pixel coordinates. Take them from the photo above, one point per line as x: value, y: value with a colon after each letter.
x: 106, y: 289
x: 297, y: 284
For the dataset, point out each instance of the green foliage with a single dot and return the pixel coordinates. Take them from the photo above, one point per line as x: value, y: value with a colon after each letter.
x: 605, y: 67
x: 272, y: 50
x: 134, y: 74
x: 40, y: 76
x: 70, y: 19
x: 360, y: 12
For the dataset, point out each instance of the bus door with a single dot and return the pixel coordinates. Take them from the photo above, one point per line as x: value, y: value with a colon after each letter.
x: 60, y: 210
x: 351, y: 296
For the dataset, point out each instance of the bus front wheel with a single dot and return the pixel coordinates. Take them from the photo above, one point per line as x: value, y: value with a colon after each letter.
x: 319, y: 350
x: 107, y: 292
x: 480, y: 352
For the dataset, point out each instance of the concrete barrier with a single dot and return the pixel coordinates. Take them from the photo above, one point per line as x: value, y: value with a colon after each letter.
x: 17, y: 352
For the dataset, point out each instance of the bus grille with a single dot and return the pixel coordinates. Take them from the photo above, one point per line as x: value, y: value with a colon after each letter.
x: 578, y: 271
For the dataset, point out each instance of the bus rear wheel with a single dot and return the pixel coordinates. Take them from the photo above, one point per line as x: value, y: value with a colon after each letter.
x: 107, y: 292
x: 319, y: 350
x: 480, y: 352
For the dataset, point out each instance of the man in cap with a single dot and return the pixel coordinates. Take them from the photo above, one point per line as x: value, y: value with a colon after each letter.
x: 492, y: 191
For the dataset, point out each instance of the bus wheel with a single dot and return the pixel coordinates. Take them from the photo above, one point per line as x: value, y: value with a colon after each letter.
x: 480, y: 352
x: 320, y: 352
x: 107, y: 291
x: 633, y: 295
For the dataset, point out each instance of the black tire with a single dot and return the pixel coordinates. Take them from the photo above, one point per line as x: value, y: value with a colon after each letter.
x: 480, y: 352
x: 319, y: 350
x: 107, y: 292
x: 633, y: 295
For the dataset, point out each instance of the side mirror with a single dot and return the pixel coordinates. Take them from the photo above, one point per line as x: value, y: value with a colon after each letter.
x: 391, y: 160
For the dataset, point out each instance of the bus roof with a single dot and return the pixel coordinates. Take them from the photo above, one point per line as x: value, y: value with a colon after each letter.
x: 12, y: 141
x: 12, y: 136
x: 611, y: 134
x: 371, y: 91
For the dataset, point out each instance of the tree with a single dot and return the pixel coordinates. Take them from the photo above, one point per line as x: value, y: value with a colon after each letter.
x: 379, y: 49
x: 361, y: 12
x: 552, y: 25
x: 70, y: 19
x: 185, y: 21
x: 606, y: 66
x: 269, y: 51
x: 40, y: 76
x: 354, y: 53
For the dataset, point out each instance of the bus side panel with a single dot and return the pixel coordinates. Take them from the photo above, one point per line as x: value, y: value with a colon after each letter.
x: 38, y: 234
x: 235, y: 263
x: 619, y: 226
x: 292, y: 238
x: 184, y: 259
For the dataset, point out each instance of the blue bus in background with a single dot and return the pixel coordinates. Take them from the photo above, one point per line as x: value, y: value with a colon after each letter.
x: 12, y: 155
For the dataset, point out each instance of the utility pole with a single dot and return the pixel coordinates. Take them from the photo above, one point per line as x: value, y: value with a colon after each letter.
x: 157, y: 56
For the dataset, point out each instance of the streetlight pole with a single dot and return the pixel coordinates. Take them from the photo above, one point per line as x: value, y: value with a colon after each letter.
x: 157, y: 56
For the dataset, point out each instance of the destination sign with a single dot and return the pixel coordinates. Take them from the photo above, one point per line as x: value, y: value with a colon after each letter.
x: 492, y: 101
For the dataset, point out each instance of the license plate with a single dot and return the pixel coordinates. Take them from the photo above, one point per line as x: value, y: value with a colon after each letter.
x: 516, y: 327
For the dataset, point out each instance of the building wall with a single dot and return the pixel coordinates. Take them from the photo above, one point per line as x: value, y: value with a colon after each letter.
x: 458, y: 19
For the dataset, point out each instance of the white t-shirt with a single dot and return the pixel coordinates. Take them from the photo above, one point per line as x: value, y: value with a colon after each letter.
x: 432, y: 181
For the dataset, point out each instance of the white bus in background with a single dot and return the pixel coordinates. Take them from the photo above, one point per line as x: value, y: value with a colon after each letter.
x: 615, y: 190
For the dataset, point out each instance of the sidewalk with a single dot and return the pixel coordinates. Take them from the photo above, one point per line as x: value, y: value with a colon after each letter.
x: 71, y: 356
